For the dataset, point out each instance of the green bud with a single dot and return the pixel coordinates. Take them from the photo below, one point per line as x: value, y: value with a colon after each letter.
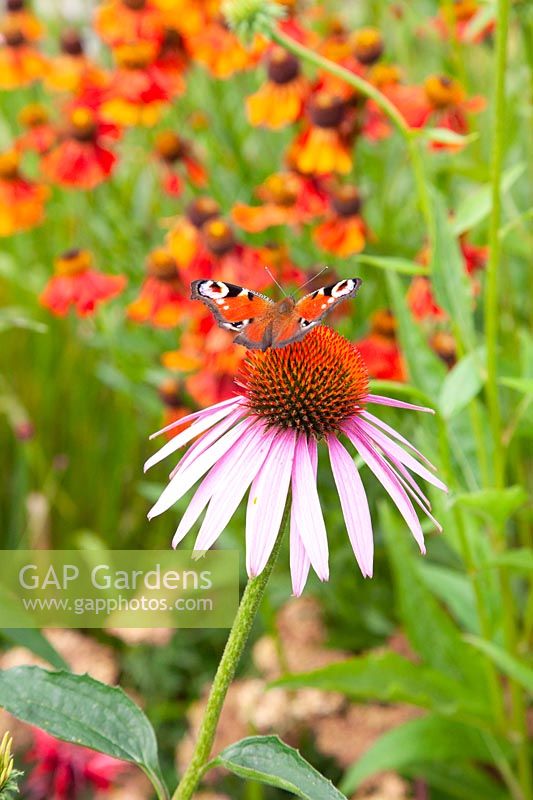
x: 8, y: 776
x: 247, y: 18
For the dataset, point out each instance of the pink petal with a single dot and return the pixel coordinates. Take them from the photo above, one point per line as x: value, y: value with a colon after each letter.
x: 307, y: 510
x: 299, y: 560
x: 389, y: 401
x: 385, y: 475
x: 197, y: 415
x: 390, y: 430
x: 354, y: 504
x: 209, y: 485
x: 420, y: 499
x: 197, y: 427
x: 229, y: 492
x: 181, y: 483
x: 266, y: 502
x: 205, y: 441
x: 390, y: 448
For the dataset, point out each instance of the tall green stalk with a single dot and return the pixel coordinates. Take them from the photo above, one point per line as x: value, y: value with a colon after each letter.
x: 237, y: 639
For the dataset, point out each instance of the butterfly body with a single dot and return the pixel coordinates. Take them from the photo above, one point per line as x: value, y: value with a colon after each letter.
x: 261, y: 322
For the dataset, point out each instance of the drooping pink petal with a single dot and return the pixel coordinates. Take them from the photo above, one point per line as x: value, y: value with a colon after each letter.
x: 197, y: 427
x: 220, y: 474
x: 389, y: 401
x: 229, y: 493
x: 299, y: 560
x: 196, y: 415
x: 413, y: 490
x: 266, y: 502
x: 354, y: 504
x: 207, y: 439
x: 390, y: 447
x: 181, y: 483
x: 383, y: 472
x: 307, y: 510
x: 390, y: 430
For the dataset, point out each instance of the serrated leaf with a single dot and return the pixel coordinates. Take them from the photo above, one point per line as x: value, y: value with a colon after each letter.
x: 461, y: 384
x: 477, y: 204
x: 494, y: 504
x: 511, y: 666
x: 388, y: 677
x: 448, y: 277
x: 269, y: 760
x: 425, y: 740
x: 81, y: 710
x: 33, y: 640
x: 402, y: 265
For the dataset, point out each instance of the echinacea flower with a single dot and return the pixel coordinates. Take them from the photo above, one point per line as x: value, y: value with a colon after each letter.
x: 21, y: 199
x: 81, y: 159
x: 265, y: 440
x: 321, y: 148
x: 344, y: 231
x: 287, y: 199
x: 172, y: 151
x: 281, y: 99
x: 77, y: 284
x: 66, y: 771
x: 380, y: 350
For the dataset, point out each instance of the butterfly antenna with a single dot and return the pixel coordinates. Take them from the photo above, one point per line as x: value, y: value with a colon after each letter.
x: 276, y: 282
x: 312, y: 279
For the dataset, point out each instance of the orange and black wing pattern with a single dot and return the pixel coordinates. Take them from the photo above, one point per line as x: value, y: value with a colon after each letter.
x: 233, y: 307
x: 312, y: 308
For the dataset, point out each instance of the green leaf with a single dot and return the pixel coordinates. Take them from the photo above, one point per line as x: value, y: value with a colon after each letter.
x: 454, y: 590
x: 402, y: 265
x: 430, y: 630
x: 520, y: 559
x: 12, y: 317
x: 460, y: 781
x: 269, y: 760
x: 448, y: 277
x: 425, y: 369
x: 477, y: 205
x: 420, y: 741
x: 511, y: 666
x: 80, y: 710
x: 483, y: 17
x: 494, y: 504
x: 38, y: 644
x: 388, y: 677
x: 447, y: 136
x: 524, y: 385
x: 461, y: 384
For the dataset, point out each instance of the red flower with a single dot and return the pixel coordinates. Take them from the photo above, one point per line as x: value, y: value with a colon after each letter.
x: 288, y: 199
x: 322, y: 148
x: 184, y: 238
x: 164, y: 298
x: 173, y: 151
x: 65, y: 771
x: 76, y: 283
x: 344, y: 231
x: 81, y: 159
x: 39, y: 135
x: 120, y: 21
x: 137, y: 92
x: 380, y: 350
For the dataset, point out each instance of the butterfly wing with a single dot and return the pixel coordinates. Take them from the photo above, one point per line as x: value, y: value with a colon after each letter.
x: 311, y: 310
x: 235, y: 309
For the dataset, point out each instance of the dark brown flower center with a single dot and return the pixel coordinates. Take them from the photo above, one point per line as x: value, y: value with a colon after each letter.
x: 311, y: 386
x: 346, y: 201
x: 199, y: 211
x: 326, y: 110
x: 283, y: 67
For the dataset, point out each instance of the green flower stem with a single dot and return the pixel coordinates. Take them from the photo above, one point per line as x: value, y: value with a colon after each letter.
x: 365, y: 88
x: 518, y: 720
x: 237, y: 639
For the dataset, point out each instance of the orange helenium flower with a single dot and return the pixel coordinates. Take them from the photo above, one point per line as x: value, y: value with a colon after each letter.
x: 172, y: 150
x: 343, y: 232
x: 39, y: 135
x: 76, y: 284
x: 18, y: 16
x: 219, y: 50
x: 288, y: 199
x: 21, y: 200
x: 321, y: 148
x: 80, y: 160
x: 281, y: 99
x: 20, y: 62
x: 163, y: 297
x: 137, y: 92
x: 131, y: 21
x: 184, y: 239
x: 72, y: 70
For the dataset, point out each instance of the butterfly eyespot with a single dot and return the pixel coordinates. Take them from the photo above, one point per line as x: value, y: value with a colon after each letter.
x: 304, y: 323
x: 341, y: 288
x: 236, y: 326
x: 214, y: 290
